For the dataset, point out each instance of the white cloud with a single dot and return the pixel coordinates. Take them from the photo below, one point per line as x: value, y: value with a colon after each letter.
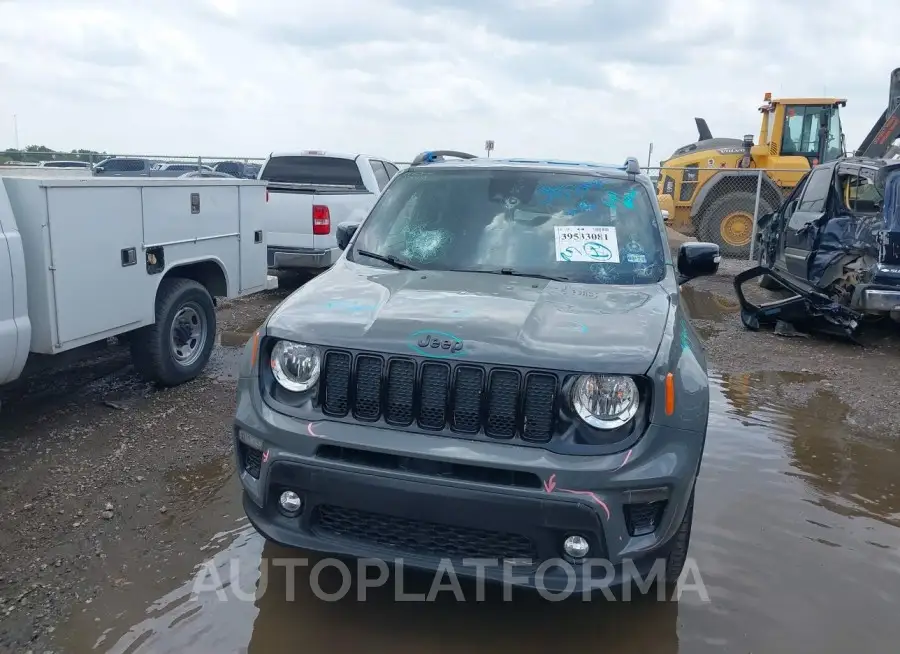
x: 561, y: 78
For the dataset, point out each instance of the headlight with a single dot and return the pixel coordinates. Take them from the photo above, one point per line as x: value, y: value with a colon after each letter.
x: 605, y: 401
x: 295, y: 366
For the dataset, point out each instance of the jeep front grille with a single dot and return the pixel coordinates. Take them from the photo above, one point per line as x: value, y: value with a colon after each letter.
x: 437, y: 395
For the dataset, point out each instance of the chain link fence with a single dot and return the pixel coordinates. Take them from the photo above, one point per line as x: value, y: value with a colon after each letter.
x: 722, y: 205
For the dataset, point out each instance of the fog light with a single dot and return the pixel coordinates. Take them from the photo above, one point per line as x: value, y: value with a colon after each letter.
x: 576, y: 546
x: 290, y: 502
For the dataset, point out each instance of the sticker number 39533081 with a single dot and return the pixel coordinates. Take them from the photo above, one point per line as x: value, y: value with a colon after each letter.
x: 583, y: 243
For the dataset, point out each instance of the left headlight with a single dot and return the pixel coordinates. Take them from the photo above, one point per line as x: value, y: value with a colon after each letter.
x: 295, y: 366
x: 605, y: 401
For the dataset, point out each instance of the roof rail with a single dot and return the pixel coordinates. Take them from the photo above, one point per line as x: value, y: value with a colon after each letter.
x: 632, y: 167
x: 432, y: 156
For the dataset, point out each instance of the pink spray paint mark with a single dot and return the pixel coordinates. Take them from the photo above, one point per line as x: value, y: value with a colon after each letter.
x: 550, y: 484
x: 309, y: 430
x: 593, y: 498
x: 627, y: 456
x: 265, y: 456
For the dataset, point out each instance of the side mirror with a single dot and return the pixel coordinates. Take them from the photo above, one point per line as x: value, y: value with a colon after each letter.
x: 697, y: 260
x: 345, y: 232
x: 98, y: 169
x: 665, y: 215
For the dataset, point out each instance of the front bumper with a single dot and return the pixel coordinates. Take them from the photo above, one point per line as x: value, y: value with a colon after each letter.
x: 880, y: 300
x: 412, y: 497
x: 283, y: 258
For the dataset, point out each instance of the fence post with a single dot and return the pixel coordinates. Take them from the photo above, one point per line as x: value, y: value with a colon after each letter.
x: 759, y: 175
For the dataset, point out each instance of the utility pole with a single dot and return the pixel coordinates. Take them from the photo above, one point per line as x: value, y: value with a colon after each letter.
x: 16, y: 129
x: 649, y: 155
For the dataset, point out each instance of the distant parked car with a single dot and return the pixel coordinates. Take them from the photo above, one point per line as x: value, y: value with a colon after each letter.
x: 64, y: 164
x: 124, y: 167
x: 205, y: 174
x: 164, y: 169
x: 237, y: 169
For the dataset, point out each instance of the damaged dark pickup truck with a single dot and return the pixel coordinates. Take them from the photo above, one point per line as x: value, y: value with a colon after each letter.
x: 832, y: 249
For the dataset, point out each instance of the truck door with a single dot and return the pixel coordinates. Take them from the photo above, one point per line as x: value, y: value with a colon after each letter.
x: 9, y: 331
x: 805, y: 214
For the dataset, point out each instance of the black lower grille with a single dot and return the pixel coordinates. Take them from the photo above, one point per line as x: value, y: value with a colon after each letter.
x: 419, y: 537
x: 643, y: 518
x: 438, y: 395
x: 251, y: 459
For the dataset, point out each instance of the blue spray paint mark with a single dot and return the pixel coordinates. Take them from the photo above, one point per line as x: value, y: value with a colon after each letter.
x: 581, y: 207
x: 577, y: 326
x: 436, y: 344
x: 350, y: 306
x: 558, y: 191
x: 685, y: 339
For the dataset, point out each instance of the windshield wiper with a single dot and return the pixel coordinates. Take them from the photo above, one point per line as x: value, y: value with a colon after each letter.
x: 518, y: 273
x: 392, y: 260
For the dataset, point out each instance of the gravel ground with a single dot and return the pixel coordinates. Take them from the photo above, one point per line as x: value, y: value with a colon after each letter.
x: 862, y: 376
x: 91, y: 459
x: 89, y: 463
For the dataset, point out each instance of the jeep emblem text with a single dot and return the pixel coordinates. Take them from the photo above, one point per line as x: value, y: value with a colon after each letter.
x: 431, y: 343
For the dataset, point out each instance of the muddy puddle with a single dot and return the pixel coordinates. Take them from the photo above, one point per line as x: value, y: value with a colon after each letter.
x: 796, y: 539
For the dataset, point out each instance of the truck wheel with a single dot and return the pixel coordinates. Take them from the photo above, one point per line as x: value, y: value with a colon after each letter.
x: 678, y: 554
x: 728, y: 221
x: 177, y: 346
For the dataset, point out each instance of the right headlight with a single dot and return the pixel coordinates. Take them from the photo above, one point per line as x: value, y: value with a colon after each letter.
x: 605, y: 401
x: 295, y: 366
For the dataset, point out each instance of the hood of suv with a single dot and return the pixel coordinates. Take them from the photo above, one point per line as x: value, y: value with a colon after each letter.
x: 497, y: 319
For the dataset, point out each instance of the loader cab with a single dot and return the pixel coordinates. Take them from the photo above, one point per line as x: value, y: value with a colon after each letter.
x: 802, y: 127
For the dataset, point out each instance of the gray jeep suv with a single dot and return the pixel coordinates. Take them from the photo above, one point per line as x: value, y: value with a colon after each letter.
x: 498, y: 367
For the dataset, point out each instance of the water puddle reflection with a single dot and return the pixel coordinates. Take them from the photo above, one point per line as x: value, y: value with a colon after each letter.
x: 796, y: 537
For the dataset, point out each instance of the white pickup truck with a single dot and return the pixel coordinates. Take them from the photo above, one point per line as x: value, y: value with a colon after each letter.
x: 310, y: 193
x: 84, y: 260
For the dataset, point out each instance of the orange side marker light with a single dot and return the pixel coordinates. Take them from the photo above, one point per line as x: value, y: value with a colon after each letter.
x: 670, y: 394
x: 254, y: 352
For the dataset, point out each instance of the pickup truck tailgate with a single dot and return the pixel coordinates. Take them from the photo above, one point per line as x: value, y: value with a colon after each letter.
x: 289, y: 218
x: 309, y: 195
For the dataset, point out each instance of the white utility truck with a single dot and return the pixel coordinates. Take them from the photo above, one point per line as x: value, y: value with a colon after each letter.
x: 84, y: 260
x: 310, y: 193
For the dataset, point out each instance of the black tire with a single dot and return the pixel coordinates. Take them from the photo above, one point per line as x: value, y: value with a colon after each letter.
x: 709, y: 222
x: 680, y: 542
x: 153, y: 350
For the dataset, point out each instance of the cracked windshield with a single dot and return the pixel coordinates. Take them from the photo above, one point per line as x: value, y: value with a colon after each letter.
x: 574, y: 227
x: 449, y: 327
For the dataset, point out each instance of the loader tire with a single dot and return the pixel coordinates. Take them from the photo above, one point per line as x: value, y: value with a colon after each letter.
x: 728, y: 222
x: 176, y: 348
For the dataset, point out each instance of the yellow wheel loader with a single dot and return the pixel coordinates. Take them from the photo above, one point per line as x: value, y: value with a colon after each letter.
x: 709, y: 188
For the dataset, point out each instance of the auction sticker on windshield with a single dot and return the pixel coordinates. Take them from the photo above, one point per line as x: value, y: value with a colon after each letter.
x: 586, y: 243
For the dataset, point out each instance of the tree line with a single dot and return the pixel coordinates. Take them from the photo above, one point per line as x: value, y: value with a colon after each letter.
x: 38, y: 153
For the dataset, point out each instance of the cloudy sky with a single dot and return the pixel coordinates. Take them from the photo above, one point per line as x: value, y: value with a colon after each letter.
x: 556, y: 78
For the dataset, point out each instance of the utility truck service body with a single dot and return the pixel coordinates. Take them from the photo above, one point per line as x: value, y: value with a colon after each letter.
x: 309, y: 194
x: 83, y: 260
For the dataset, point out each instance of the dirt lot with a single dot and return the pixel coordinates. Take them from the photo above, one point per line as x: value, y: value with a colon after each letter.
x: 90, y: 461
x: 107, y: 482
x: 864, y: 377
